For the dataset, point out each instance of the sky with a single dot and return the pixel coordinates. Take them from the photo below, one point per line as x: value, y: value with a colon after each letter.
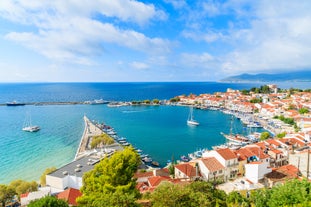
x: 159, y: 40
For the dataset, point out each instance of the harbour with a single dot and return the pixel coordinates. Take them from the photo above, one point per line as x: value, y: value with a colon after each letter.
x: 165, y: 136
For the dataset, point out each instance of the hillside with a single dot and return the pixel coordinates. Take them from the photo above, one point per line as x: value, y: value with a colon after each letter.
x: 302, y: 76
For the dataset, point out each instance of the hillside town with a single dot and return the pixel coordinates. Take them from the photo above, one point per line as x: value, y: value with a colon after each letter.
x: 264, y: 163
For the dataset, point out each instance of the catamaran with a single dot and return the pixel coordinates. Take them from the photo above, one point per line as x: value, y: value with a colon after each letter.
x: 191, y: 120
x: 28, y: 127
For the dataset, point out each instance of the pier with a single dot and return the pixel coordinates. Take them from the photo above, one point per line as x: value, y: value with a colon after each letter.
x: 90, y: 130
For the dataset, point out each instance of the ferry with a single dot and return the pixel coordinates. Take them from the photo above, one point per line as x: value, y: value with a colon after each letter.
x: 14, y: 103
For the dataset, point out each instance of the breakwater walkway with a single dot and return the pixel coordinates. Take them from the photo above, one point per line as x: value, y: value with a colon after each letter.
x: 90, y: 130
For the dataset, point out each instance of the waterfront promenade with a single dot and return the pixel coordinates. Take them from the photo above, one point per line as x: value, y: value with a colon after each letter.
x: 90, y: 130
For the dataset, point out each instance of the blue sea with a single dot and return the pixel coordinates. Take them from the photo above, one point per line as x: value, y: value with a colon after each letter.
x: 160, y: 131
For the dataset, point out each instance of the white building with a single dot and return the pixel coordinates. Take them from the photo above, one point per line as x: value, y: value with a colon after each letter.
x: 255, y: 171
x: 211, y: 169
x: 228, y: 159
x: 70, y: 175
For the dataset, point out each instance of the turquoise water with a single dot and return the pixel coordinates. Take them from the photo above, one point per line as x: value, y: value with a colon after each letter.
x: 160, y: 131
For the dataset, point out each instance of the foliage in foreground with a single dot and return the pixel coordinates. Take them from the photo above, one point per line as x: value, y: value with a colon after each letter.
x: 110, y: 183
x: 194, y: 194
x: 48, y: 201
x: 16, y: 187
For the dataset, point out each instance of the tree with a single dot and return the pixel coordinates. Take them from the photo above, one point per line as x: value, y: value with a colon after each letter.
x: 303, y: 111
x: 146, y: 101
x: 245, y: 92
x: 104, y: 139
x: 174, y: 100
x: 194, y: 194
x: 155, y: 101
x: 111, y: 182
x: 43, y: 176
x: 48, y: 201
x: 260, y: 197
x: 281, y: 135
x: 264, y: 135
x: 6, y: 194
x: 290, y: 194
x: 236, y: 199
x: 21, y: 186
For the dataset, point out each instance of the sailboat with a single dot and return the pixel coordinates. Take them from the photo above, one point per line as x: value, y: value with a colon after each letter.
x: 235, y: 140
x: 191, y: 120
x: 28, y: 127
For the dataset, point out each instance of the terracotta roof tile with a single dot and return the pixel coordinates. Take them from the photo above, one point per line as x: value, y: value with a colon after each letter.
x: 70, y: 195
x: 226, y: 153
x: 156, y: 180
x: 187, y: 169
x: 212, y: 164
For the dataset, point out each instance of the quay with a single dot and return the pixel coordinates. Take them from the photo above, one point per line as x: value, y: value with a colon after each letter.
x: 90, y: 130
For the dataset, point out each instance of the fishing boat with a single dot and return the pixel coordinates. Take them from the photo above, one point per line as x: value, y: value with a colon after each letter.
x: 28, y: 127
x: 184, y: 158
x: 191, y: 121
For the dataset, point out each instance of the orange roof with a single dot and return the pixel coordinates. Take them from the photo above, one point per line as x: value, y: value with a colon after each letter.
x: 24, y: 195
x: 289, y: 170
x: 156, y: 180
x: 212, y: 164
x: 226, y: 153
x: 187, y: 169
x: 273, y: 142
x: 143, y: 174
x: 70, y: 195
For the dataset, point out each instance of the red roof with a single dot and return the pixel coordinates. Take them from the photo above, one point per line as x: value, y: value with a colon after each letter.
x: 24, y: 195
x: 70, y: 195
x: 187, y: 169
x: 156, y: 180
x: 212, y: 164
x: 226, y: 153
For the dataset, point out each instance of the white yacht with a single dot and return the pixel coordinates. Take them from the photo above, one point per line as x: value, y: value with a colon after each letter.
x: 191, y: 120
x: 28, y: 127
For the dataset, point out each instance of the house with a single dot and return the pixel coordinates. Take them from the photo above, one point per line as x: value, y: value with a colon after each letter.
x: 26, y: 198
x: 255, y: 171
x: 70, y: 195
x: 186, y: 171
x: 211, y: 169
x: 227, y: 159
x: 281, y: 175
x: 70, y: 175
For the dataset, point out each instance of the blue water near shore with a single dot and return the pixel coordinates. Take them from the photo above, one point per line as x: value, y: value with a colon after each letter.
x: 160, y: 131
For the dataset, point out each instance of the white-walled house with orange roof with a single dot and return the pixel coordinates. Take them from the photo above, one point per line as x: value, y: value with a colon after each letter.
x: 228, y: 159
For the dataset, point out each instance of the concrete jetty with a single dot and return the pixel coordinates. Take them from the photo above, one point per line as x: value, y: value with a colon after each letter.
x: 90, y: 130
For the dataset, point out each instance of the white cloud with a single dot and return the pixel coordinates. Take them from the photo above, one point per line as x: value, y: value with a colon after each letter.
x: 139, y: 65
x: 277, y: 40
x: 177, y: 4
x: 67, y: 32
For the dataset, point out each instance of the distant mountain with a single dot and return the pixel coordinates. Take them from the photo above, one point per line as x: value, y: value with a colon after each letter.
x: 299, y: 76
